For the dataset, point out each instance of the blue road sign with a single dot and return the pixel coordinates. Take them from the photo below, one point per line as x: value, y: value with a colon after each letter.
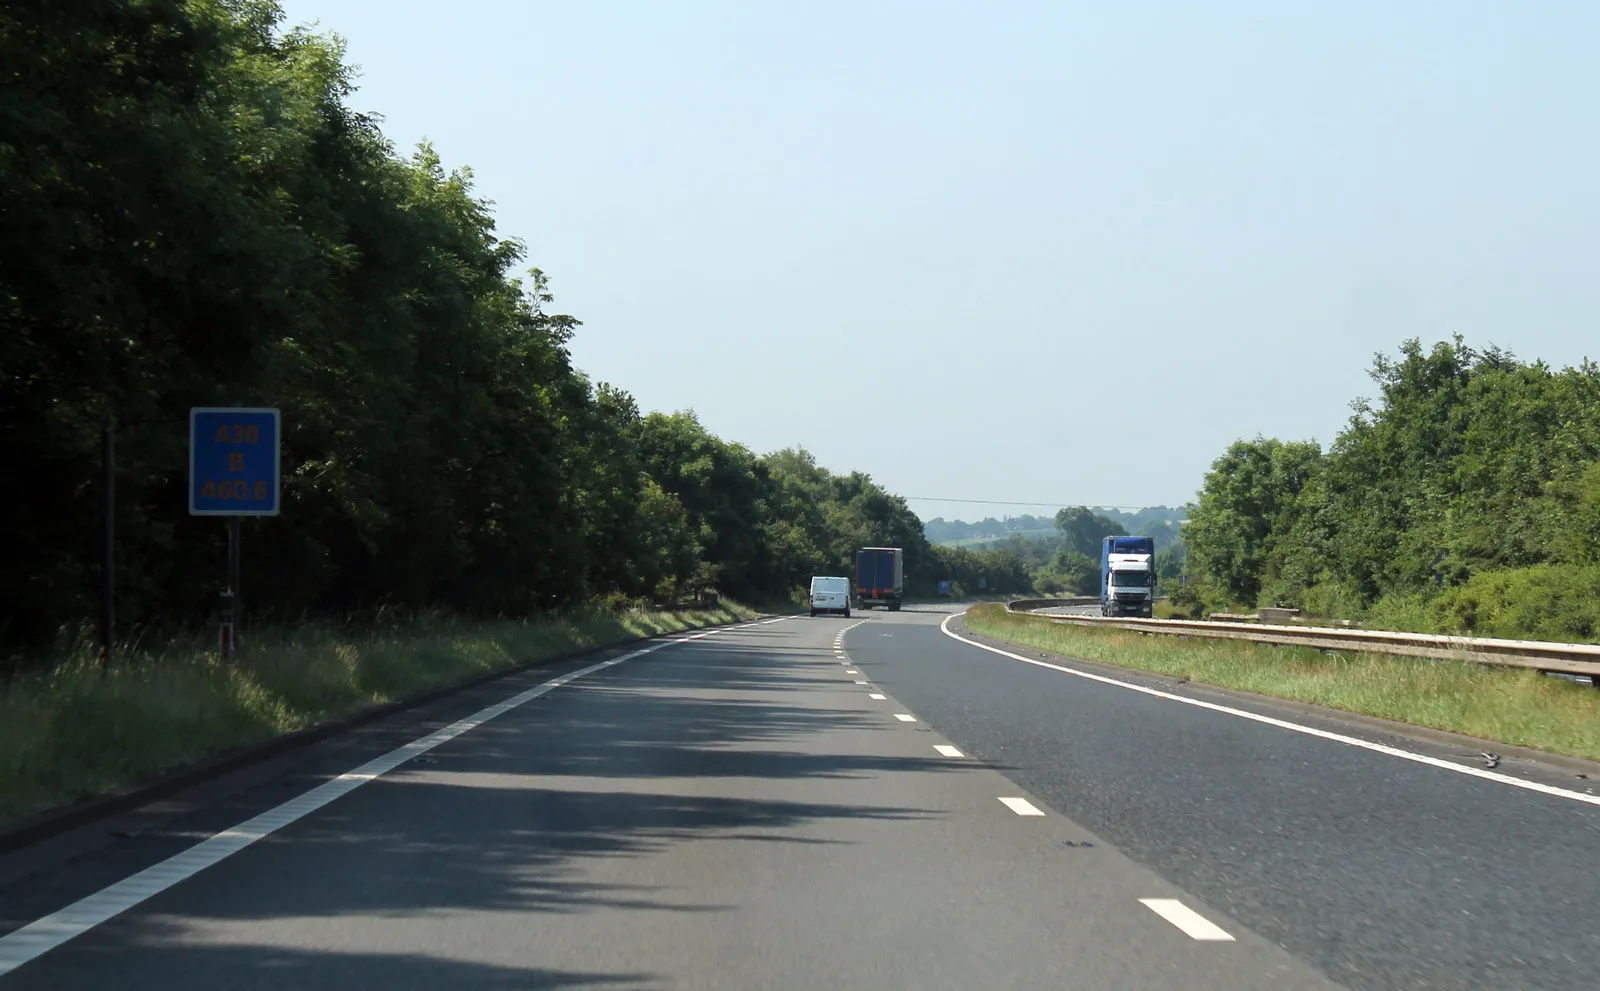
x: 983, y: 583
x: 233, y: 461
x: 944, y: 587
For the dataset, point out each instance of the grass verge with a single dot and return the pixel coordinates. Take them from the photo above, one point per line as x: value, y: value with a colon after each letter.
x: 1523, y: 708
x: 72, y: 733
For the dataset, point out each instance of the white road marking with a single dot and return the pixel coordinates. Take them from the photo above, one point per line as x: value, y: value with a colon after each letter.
x: 948, y: 751
x: 905, y: 717
x: 860, y: 682
x: 1193, y: 924
x: 1349, y: 741
x: 1021, y: 806
x: 852, y: 671
x: 45, y: 934
x: 875, y: 695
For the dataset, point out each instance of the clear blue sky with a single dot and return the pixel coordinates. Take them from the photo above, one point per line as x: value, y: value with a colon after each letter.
x: 1078, y: 248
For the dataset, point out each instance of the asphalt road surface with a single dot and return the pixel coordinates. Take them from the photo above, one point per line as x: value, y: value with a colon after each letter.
x: 820, y: 803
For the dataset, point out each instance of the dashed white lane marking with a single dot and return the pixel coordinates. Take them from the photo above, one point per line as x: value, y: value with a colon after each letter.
x: 45, y: 934
x: 1349, y: 741
x: 852, y: 671
x: 861, y: 682
x: 1021, y: 806
x: 1193, y: 924
x: 875, y: 695
x: 905, y: 717
x: 946, y: 750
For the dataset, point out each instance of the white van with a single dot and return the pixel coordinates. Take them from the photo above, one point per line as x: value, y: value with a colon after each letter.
x: 830, y: 595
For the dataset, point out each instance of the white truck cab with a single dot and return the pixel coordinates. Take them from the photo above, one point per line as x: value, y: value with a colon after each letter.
x: 1131, y: 589
x: 830, y: 594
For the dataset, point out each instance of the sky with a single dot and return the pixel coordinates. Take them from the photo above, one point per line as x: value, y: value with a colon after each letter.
x: 1057, y: 253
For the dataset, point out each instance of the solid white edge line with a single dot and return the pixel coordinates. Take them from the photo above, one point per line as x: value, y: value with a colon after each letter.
x: 945, y: 750
x: 50, y: 931
x: 1021, y: 806
x: 1192, y: 923
x: 1323, y: 734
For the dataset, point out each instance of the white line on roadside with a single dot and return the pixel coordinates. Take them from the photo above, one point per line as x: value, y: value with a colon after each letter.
x: 1021, y: 806
x: 1193, y: 924
x: 852, y: 671
x: 44, y: 934
x: 875, y: 695
x: 905, y: 717
x: 861, y: 682
x: 1323, y: 734
x: 946, y: 750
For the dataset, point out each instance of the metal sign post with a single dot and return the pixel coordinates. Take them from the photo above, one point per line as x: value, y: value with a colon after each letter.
x: 234, y: 461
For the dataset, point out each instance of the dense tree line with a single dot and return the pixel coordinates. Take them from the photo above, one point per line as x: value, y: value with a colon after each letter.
x: 195, y: 216
x: 1067, y: 560
x: 1464, y: 497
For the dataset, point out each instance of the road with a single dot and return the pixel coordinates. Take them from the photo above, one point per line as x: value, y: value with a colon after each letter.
x: 822, y: 803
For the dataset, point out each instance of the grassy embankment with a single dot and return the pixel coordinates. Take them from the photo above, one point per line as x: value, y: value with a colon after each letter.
x: 68, y: 732
x: 1517, y: 707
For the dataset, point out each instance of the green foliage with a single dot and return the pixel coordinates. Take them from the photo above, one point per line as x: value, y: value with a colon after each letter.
x: 1468, y: 465
x: 1084, y: 530
x: 1072, y: 572
x: 1250, y: 491
x: 1545, y: 602
x: 71, y: 731
x: 1002, y: 571
x: 195, y: 216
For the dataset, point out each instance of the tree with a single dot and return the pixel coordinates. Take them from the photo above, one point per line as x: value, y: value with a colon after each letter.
x: 1250, y: 489
x: 1084, y: 531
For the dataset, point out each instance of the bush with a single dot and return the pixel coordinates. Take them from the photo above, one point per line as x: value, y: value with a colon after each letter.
x: 1544, y: 602
x: 1414, y: 611
x: 1332, y: 600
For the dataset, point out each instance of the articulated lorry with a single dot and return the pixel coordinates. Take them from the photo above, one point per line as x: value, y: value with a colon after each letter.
x: 1128, y: 576
x: 880, y: 577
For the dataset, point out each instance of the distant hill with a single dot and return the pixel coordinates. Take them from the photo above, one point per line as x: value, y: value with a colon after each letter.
x: 953, y: 533
x: 1160, y: 522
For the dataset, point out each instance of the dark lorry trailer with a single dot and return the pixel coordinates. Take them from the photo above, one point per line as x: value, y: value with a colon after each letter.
x: 880, y: 577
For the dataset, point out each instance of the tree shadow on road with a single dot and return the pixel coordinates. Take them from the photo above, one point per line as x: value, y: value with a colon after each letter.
x: 527, y: 815
x: 105, y: 965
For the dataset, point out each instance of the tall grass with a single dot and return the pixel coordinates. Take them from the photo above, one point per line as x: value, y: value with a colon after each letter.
x: 68, y: 731
x: 1518, y: 707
